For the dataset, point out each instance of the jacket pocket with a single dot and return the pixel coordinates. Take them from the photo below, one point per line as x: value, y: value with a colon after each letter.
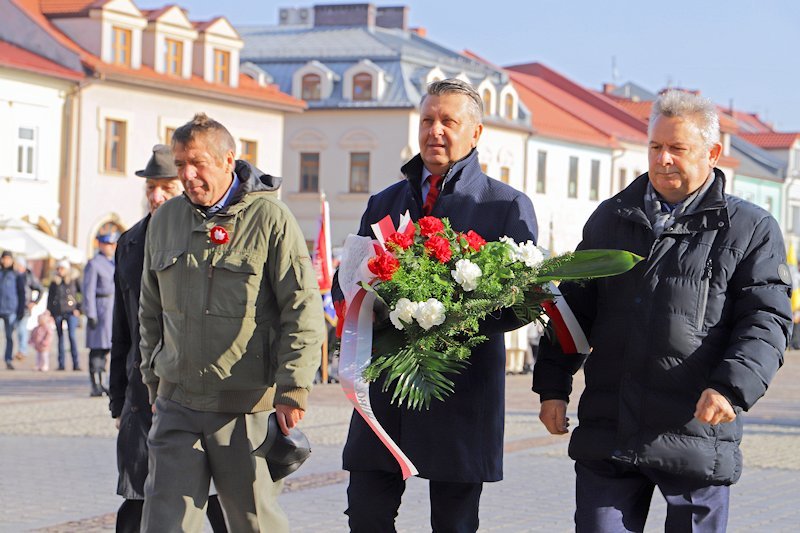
x: 233, y: 285
x: 166, y: 265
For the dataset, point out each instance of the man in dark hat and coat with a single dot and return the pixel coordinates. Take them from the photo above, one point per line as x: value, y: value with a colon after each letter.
x: 129, y: 402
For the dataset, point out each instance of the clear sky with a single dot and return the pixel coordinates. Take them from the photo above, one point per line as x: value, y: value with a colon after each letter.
x: 740, y: 51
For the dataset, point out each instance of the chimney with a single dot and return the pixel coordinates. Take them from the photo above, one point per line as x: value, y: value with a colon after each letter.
x: 395, y: 17
x: 344, y: 15
x: 422, y: 32
x: 608, y: 88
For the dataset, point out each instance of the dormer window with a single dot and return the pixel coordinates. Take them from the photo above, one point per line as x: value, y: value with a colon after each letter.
x: 508, y: 107
x: 312, y: 87
x: 362, y: 87
x: 222, y: 66
x: 174, y: 58
x: 121, y: 46
x: 507, y: 103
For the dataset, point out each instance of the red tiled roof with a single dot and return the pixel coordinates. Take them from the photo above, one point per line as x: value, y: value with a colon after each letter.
x: 580, y: 103
x: 14, y: 57
x: 247, y: 89
x: 772, y: 140
x: 68, y: 7
x: 200, y: 25
x: 642, y: 109
x: 153, y: 14
x: 750, y: 122
x: 550, y: 120
x: 727, y: 161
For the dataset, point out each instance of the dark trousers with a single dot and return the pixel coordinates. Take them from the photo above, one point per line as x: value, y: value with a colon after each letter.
x: 129, y: 516
x: 373, y: 498
x: 72, y: 323
x: 9, y: 321
x: 611, y: 497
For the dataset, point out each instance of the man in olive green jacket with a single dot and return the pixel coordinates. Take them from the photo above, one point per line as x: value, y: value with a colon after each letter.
x: 231, y: 325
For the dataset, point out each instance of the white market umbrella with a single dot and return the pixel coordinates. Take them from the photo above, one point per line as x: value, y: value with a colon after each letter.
x: 32, y: 243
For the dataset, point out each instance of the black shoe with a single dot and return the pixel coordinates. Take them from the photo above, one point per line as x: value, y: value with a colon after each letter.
x: 77, y: 369
x: 95, y: 393
x: 61, y: 368
x: 9, y: 365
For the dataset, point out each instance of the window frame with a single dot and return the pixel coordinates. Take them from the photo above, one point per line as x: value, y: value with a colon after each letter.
x: 306, y: 162
x: 356, y: 166
x: 508, y: 107
x: 358, y: 82
x: 175, y: 58
x: 222, y: 66
x: 27, y: 153
x: 594, y: 181
x: 121, y: 50
x: 249, y: 151
x: 541, y: 172
x: 111, y: 139
x: 305, y: 86
x: 505, y: 174
x: 572, y: 179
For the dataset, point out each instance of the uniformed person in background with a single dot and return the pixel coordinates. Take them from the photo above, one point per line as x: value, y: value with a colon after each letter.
x: 98, y: 306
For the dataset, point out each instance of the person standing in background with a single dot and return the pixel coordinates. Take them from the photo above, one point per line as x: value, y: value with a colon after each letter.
x: 33, y: 293
x: 98, y: 306
x: 12, y: 302
x: 63, y: 304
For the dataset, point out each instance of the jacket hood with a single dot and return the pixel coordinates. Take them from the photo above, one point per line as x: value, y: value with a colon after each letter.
x: 253, y: 180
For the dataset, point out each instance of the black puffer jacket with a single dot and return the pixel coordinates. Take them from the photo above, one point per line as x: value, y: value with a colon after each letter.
x: 709, y: 307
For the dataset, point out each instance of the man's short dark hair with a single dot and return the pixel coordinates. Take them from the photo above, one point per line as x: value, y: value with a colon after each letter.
x: 456, y: 86
x: 219, y: 138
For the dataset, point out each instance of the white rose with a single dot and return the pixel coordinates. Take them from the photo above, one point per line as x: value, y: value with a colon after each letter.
x: 430, y: 313
x: 466, y: 274
x: 530, y: 254
x: 403, y: 310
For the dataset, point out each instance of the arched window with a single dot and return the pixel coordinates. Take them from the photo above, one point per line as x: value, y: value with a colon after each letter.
x: 487, y: 101
x: 312, y: 87
x: 509, y: 107
x: 362, y: 86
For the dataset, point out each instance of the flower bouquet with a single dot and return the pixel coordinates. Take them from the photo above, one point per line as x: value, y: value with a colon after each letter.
x: 438, y: 284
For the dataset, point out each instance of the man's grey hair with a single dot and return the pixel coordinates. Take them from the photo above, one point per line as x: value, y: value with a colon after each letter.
x: 456, y: 86
x: 677, y: 103
x: 217, y: 136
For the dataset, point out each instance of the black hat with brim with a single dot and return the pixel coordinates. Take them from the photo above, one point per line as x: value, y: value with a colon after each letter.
x: 284, y: 453
x: 161, y: 164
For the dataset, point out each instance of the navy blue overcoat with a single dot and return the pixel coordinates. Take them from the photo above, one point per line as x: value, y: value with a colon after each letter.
x: 460, y: 439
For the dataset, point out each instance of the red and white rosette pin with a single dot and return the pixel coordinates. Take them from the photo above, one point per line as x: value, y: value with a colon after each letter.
x: 219, y: 235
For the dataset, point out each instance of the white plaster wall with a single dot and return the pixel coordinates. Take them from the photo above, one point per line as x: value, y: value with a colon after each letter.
x: 148, y: 112
x: 34, y: 101
x: 392, y: 132
x: 500, y: 147
x: 567, y: 215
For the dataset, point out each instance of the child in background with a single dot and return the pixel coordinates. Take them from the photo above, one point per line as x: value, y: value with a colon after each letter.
x: 41, y: 338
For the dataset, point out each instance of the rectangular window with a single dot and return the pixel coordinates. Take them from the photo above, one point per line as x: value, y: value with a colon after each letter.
x: 623, y: 178
x: 572, y: 184
x: 505, y: 174
x: 594, y: 184
x: 359, y: 172
x: 174, y: 59
x: 168, y: 133
x: 484, y: 167
x: 249, y: 150
x: 222, y: 65
x: 115, y: 146
x: 541, y: 172
x: 309, y: 172
x: 26, y: 152
x: 121, y: 46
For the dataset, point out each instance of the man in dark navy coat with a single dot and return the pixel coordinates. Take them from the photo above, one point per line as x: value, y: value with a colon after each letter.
x: 458, y: 443
x: 129, y: 402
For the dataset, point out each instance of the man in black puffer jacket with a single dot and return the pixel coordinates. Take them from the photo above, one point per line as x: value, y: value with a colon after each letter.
x: 681, y: 344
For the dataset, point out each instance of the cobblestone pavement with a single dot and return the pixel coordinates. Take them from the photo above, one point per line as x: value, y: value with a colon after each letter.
x: 57, y: 459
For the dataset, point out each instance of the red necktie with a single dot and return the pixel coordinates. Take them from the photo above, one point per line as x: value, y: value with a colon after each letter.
x: 433, y: 193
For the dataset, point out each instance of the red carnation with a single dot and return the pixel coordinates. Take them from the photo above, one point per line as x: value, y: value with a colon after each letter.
x: 430, y: 226
x: 401, y: 240
x: 439, y: 247
x: 384, y: 266
x: 475, y: 241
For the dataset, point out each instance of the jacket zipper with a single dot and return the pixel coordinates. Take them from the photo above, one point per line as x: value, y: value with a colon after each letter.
x: 208, y: 287
x: 705, y: 283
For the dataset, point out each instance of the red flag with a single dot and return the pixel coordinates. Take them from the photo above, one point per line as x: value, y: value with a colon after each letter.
x: 323, y: 262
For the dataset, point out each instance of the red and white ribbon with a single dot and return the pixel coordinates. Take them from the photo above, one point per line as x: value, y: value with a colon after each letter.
x: 356, y: 347
x: 567, y: 328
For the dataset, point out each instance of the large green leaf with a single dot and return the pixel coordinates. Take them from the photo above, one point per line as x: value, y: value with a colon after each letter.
x: 586, y: 264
